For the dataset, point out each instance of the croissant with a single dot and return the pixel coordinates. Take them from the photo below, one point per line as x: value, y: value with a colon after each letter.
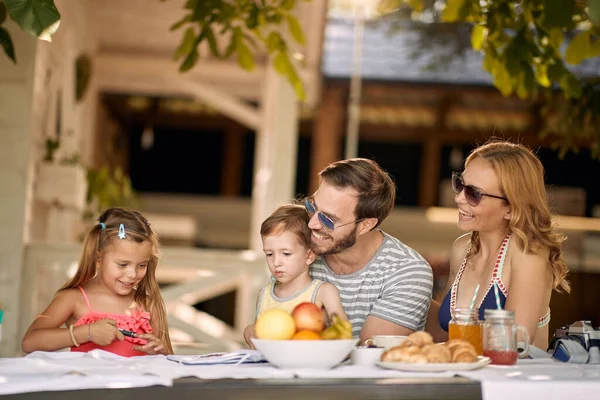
x: 418, y: 339
x: 410, y: 354
x: 464, y: 355
x: 462, y: 351
x: 437, y: 353
x: 451, y: 344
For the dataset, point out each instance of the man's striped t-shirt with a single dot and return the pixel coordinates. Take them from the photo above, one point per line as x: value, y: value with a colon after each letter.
x: 395, y: 285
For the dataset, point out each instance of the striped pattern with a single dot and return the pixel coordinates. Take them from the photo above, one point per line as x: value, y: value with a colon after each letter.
x: 395, y: 285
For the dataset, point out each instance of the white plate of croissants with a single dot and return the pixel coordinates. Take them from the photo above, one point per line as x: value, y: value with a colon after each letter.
x: 418, y: 353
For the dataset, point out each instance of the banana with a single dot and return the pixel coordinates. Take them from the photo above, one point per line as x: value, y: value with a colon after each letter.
x: 330, y: 333
x: 345, y: 329
x: 339, y: 329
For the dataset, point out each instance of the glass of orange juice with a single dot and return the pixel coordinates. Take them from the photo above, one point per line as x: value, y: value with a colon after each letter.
x: 465, y: 325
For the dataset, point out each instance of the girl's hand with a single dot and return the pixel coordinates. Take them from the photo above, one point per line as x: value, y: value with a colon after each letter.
x: 104, y: 332
x: 152, y: 346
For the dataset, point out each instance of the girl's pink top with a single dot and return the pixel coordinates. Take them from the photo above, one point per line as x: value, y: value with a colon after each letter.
x: 138, y: 322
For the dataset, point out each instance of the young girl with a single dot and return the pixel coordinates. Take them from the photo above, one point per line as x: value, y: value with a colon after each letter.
x: 113, y: 302
x: 286, y: 244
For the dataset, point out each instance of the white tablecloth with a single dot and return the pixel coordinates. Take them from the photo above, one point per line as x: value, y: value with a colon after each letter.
x: 41, y: 371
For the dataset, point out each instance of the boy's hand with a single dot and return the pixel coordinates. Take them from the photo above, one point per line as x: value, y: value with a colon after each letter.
x: 248, y: 334
x: 104, y: 332
x: 153, y: 344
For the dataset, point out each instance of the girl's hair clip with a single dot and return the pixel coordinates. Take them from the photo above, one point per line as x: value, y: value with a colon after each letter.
x: 102, y: 225
x: 122, y: 234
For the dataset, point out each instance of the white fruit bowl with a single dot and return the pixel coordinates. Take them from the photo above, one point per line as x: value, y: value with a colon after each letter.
x: 293, y: 354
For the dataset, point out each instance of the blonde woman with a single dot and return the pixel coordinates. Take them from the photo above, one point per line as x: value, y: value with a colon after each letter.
x: 511, y: 241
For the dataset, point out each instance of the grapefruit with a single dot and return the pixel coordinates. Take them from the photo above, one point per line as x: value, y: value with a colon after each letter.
x: 274, y: 325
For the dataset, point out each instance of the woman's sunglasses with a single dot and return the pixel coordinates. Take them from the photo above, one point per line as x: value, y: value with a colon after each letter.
x: 472, y: 194
x: 324, y: 219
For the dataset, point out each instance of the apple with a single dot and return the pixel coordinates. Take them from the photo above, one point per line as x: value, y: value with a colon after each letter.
x: 309, y: 317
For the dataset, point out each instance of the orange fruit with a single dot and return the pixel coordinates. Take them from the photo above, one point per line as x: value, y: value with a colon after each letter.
x: 306, y: 335
x: 275, y: 324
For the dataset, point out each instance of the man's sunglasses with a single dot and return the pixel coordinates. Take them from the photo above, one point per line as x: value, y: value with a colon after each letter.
x: 472, y: 194
x: 324, y: 219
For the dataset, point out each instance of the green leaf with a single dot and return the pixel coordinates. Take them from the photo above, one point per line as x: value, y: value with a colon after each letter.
x: 235, y: 38
x: 526, y: 83
x: 188, y: 43
x: 298, y: 87
x: 416, y: 5
x: 579, y: 48
x: 503, y: 81
x: 252, y: 20
x: 570, y: 85
x: 453, y: 11
x: 558, y: 13
x: 212, y: 40
x: 190, y: 61
x: 37, y: 17
x: 2, y: 13
x: 541, y: 75
x: 7, y: 44
x: 477, y: 35
x: 201, y: 10
x: 287, y: 5
x: 295, y: 29
x: 244, y: 56
x: 556, y: 71
x: 594, y: 11
x: 489, y: 62
x: 181, y: 22
x: 282, y: 64
x: 275, y: 43
x: 556, y: 38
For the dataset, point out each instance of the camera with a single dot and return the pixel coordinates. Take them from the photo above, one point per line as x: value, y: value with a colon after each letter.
x: 578, y: 342
x: 582, y: 332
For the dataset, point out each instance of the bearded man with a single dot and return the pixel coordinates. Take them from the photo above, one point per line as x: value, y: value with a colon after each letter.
x: 385, y: 286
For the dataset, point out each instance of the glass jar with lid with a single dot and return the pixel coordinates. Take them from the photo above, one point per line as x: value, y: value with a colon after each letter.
x: 465, y: 325
x: 501, y: 335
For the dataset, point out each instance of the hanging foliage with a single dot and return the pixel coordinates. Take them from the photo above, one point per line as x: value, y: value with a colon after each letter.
x: 527, y: 47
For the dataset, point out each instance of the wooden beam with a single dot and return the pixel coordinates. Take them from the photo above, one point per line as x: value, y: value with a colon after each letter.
x: 326, y: 145
x: 159, y: 76
x: 226, y: 104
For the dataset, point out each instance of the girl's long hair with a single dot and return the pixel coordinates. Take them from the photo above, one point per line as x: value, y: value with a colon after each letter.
x: 521, y: 177
x: 138, y: 230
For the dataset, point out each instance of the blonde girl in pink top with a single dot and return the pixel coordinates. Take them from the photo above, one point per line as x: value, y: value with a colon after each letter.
x: 113, y: 292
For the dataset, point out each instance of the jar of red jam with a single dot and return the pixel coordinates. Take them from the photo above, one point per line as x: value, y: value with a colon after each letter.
x: 500, y: 335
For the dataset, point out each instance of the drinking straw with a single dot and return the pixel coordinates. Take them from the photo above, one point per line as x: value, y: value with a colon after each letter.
x: 497, y: 296
x: 474, y: 297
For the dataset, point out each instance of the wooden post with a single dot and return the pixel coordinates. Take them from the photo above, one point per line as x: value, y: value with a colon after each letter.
x: 430, y: 159
x: 231, y: 173
x: 276, y: 150
x: 326, y: 146
x: 430, y: 172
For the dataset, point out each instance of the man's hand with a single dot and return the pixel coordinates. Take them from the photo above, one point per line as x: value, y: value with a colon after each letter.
x: 377, y: 326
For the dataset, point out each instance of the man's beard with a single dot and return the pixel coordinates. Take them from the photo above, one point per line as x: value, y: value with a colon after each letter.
x: 338, y: 245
